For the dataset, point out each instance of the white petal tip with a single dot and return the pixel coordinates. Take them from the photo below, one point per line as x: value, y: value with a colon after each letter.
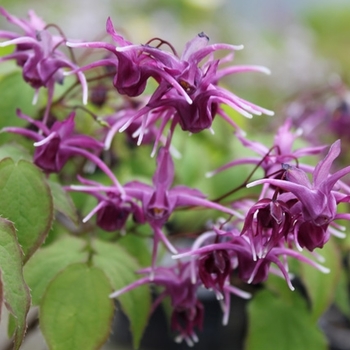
x: 271, y: 113
x: 265, y: 70
x: 114, y: 295
x: 325, y: 269
x: 70, y: 44
x: 121, y: 49
x: 39, y: 143
x: 6, y: 43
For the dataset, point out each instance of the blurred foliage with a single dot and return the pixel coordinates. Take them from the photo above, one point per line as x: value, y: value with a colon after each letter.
x: 330, y: 25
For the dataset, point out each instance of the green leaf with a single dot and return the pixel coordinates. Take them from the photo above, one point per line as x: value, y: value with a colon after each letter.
x: 136, y: 246
x: 15, y: 291
x: 14, y: 151
x: 321, y: 287
x: 274, y: 323
x: 76, y: 312
x: 49, y: 261
x: 6, y: 50
x: 342, y: 297
x: 120, y: 268
x: 1, y: 293
x: 15, y: 93
x: 62, y: 202
x: 26, y: 201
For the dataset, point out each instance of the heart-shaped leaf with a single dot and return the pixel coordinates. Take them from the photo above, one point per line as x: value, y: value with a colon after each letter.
x: 25, y: 200
x: 49, y: 261
x: 75, y: 311
x: 275, y: 323
x: 321, y: 287
x: 62, y: 202
x: 120, y: 268
x: 14, y: 289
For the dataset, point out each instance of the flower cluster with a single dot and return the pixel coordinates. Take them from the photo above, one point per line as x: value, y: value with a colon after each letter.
x: 296, y: 209
x: 37, y: 52
x: 187, y: 94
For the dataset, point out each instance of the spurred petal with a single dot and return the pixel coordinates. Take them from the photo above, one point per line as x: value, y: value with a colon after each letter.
x: 328, y: 185
x: 116, y: 37
x: 323, y: 168
x: 193, y: 46
x: 164, y: 175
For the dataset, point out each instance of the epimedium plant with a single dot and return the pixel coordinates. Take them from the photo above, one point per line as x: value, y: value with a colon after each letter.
x: 101, y: 186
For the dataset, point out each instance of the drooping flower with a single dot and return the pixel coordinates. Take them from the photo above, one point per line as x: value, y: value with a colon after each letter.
x: 187, y: 311
x: 187, y: 91
x: 200, y: 82
x: 113, y: 207
x: 37, y: 52
x: 267, y: 224
x: 55, y: 145
x: 160, y: 200
x: 250, y: 267
x: 214, y: 268
x: 317, y: 200
x: 145, y: 132
x: 132, y: 67
x: 281, y: 152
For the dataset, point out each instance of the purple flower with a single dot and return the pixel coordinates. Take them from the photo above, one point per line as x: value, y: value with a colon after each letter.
x: 214, y: 268
x: 322, y: 114
x: 340, y: 119
x: 240, y: 249
x: 310, y: 235
x: 113, y: 207
x: 317, y: 200
x: 267, y: 224
x: 187, y: 310
x: 187, y: 91
x: 132, y: 67
x: 200, y: 84
x: 138, y: 132
x: 55, y: 145
x: 37, y: 52
x: 271, y: 159
x: 160, y: 200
